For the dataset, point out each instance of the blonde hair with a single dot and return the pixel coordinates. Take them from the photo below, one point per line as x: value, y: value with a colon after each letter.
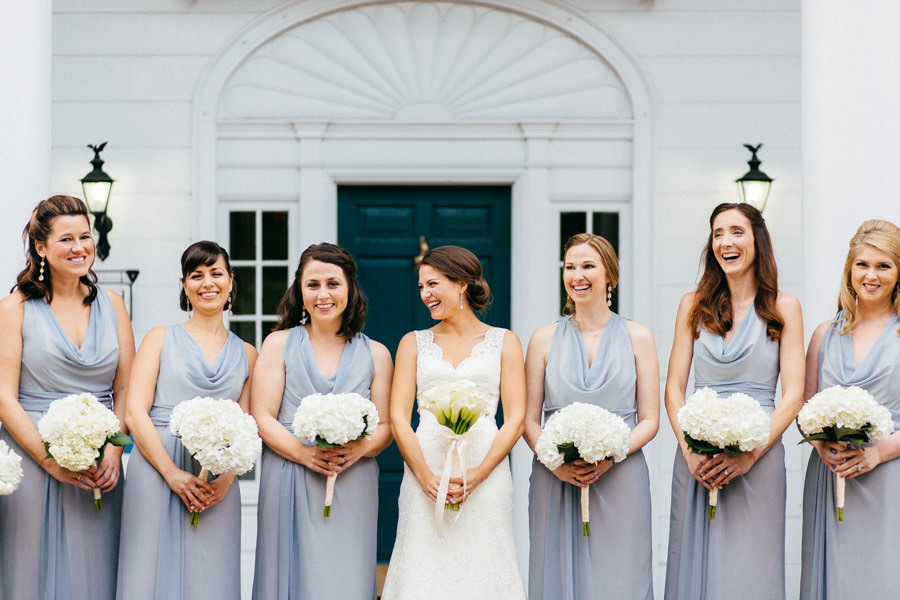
x: 607, y: 257
x: 881, y: 235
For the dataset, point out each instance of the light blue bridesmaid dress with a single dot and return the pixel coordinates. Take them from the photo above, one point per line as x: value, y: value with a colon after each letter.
x: 161, y: 556
x: 53, y: 544
x: 859, y: 557
x: 299, y: 553
x: 564, y: 564
x: 739, y: 554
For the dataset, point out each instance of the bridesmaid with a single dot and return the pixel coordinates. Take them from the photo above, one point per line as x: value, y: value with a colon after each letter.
x: 597, y: 357
x: 860, y: 346
x: 161, y: 556
x: 318, y: 346
x: 740, y: 333
x: 60, y: 334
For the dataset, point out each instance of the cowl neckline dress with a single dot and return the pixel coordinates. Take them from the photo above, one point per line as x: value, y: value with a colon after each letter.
x: 299, y: 553
x: 161, y: 556
x: 53, y: 544
x: 740, y: 554
x: 564, y: 564
x: 856, y: 558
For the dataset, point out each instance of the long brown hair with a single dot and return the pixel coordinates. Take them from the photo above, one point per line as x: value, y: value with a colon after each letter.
x: 881, y: 235
x: 712, y: 299
x: 353, y: 319
x: 38, y: 230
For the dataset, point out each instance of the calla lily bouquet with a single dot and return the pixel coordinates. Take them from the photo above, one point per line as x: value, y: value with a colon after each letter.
x: 331, y: 420
x: 713, y: 424
x: 76, y: 430
x: 10, y: 470
x: 587, y: 432
x: 219, y: 434
x: 847, y: 415
x: 456, y: 405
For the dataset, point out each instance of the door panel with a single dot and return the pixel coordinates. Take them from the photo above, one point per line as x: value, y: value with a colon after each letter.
x: 381, y: 227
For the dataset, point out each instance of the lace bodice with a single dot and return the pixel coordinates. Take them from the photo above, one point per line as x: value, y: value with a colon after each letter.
x: 482, y: 366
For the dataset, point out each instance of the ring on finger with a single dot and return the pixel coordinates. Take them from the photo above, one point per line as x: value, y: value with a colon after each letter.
x: 858, y: 467
x: 726, y: 470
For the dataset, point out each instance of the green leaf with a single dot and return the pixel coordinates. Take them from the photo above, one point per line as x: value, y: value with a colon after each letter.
x: 47, y: 450
x: 701, y: 446
x: 569, y: 452
x: 119, y: 439
x: 323, y: 443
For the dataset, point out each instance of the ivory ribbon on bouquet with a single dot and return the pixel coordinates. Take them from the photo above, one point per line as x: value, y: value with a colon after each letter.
x: 458, y: 446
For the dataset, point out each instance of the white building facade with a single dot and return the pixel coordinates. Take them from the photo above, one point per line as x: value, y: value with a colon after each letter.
x: 225, y: 116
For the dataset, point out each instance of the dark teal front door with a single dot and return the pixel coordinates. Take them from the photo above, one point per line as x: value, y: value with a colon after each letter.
x: 382, y: 226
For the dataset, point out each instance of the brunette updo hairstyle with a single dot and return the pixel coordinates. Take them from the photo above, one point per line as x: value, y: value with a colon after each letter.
x: 608, y: 259
x: 459, y: 264
x: 881, y: 235
x: 353, y: 319
x: 712, y: 299
x: 204, y: 253
x: 38, y: 230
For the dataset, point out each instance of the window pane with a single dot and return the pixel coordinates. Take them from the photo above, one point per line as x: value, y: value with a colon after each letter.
x: 242, y: 232
x: 246, y: 330
x: 570, y: 223
x: 275, y: 235
x: 607, y: 225
x: 245, y: 290
x: 274, y: 285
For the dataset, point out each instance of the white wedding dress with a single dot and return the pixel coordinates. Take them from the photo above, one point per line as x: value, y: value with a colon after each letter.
x: 476, y: 556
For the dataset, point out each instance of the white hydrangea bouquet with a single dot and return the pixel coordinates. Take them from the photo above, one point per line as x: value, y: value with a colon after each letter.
x: 714, y: 424
x: 10, y: 470
x: 334, y: 420
x: 219, y: 434
x: 584, y: 431
x: 76, y: 429
x: 456, y: 405
x: 847, y: 415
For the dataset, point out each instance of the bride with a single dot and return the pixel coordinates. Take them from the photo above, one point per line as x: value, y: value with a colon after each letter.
x: 470, y: 553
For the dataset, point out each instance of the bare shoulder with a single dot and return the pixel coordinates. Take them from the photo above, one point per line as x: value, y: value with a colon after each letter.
x: 275, y: 341
x: 116, y: 300
x: 379, y: 351
x: 12, y: 306
x: 250, y: 351
x: 687, y: 301
x: 639, y: 333
x: 155, y: 336
x: 544, y: 333
x: 787, y: 305
x: 407, y: 342
x: 509, y: 337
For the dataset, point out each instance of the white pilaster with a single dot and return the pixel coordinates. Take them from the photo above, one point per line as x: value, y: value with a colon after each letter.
x: 25, y: 65
x: 851, y: 128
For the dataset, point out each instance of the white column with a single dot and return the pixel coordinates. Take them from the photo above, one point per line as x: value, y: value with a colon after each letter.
x: 851, y: 135
x: 25, y: 65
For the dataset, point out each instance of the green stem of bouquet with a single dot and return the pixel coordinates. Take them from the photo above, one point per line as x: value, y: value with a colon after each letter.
x: 586, y: 529
x: 712, y: 513
x: 454, y: 506
x: 840, y: 512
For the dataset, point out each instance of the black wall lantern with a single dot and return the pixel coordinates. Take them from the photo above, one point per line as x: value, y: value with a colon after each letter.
x: 97, y: 186
x: 755, y: 185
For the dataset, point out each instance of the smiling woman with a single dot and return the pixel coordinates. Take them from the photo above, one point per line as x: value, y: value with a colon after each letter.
x: 176, y: 363
x: 318, y: 348
x: 739, y: 333
x: 60, y: 334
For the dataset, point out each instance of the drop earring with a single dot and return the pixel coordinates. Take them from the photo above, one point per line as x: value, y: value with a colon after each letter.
x: 608, y: 294
x: 41, y: 273
x: 460, y: 301
x: 304, y: 316
x: 228, y: 307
